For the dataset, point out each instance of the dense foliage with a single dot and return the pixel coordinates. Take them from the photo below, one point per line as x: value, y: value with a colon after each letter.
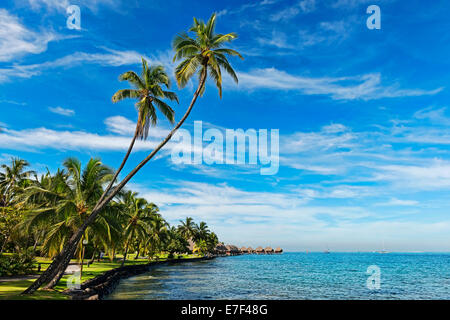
x: 39, y: 214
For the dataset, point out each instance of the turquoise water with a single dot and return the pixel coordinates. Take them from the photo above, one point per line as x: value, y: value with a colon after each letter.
x: 295, y: 276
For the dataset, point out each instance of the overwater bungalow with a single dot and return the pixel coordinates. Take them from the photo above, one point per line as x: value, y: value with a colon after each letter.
x: 278, y: 250
x: 250, y: 250
x: 268, y: 250
x: 221, y: 249
x: 243, y: 250
x: 232, y: 250
x: 259, y: 250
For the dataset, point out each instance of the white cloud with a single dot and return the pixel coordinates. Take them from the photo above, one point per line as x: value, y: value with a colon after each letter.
x: 304, y: 6
x: 397, y: 202
x: 61, y: 5
x: 434, y: 175
x: 363, y: 87
x: 62, y: 111
x: 120, y: 125
x: 245, y: 7
x: 278, y: 39
x: 16, y: 40
x: 42, y: 138
x: 113, y: 58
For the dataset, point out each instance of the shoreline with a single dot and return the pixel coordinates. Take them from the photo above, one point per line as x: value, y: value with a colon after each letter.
x: 104, y: 284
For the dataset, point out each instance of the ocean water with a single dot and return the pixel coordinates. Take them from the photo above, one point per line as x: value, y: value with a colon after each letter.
x: 295, y: 276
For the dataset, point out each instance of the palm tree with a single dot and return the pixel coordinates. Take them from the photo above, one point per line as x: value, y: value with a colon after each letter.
x: 159, y: 234
x: 187, y: 228
x: 202, y: 54
x: 148, y: 91
x: 138, y: 215
x: 201, y: 232
x: 12, y: 179
x: 65, y: 201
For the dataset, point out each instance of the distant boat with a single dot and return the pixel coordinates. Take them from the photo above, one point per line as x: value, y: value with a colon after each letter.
x: 382, y: 251
x: 326, y: 251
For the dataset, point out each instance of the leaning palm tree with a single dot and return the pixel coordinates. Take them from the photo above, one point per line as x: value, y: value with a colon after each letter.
x: 148, y: 91
x: 201, y: 54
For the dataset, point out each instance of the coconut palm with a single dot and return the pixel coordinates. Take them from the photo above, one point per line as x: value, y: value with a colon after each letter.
x: 187, y: 228
x: 148, y: 91
x: 138, y: 214
x: 65, y: 201
x: 12, y: 178
x: 200, y: 55
x: 201, y: 231
x: 204, y: 54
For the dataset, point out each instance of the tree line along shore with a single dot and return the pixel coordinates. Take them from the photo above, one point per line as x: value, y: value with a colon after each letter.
x: 222, y: 249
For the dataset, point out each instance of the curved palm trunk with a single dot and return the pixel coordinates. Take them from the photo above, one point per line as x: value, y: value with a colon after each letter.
x: 56, y: 269
x: 125, y: 158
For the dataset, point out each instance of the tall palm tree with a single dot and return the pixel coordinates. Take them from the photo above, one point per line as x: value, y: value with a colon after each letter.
x: 148, y: 91
x: 202, y: 54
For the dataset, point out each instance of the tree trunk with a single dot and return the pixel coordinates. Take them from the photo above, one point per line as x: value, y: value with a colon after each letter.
x: 93, y: 255
x: 138, y: 251
x: 120, y: 168
x: 125, y: 254
x: 56, y: 269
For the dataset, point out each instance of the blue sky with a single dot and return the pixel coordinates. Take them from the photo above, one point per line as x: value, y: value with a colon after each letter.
x: 363, y: 117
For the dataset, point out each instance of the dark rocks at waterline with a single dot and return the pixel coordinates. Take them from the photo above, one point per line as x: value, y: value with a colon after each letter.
x: 104, y: 284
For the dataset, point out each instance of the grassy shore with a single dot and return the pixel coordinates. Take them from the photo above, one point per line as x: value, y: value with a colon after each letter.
x: 11, y: 290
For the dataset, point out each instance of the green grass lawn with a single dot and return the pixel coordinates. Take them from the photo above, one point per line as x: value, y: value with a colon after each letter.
x: 12, y: 290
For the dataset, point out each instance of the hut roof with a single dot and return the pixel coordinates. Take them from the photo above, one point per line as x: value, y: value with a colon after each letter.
x: 259, y: 249
x: 221, y: 247
x: 278, y: 249
x: 243, y: 249
x: 249, y: 249
x: 232, y: 248
x: 268, y: 249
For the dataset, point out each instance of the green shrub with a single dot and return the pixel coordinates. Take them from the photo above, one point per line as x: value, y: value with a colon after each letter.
x: 16, y: 264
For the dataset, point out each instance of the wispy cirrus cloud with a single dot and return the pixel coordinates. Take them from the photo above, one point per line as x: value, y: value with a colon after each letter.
x: 245, y: 7
x: 303, y: 6
x: 16, y: 40
x: 62, y: 111
x: 61, y: 5
x: 361, y: 87
x: 109, y: 57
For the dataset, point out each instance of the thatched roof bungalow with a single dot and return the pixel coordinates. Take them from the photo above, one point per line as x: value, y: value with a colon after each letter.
x: 220, y: 248
x: 268, y: 250
x: 250, y: 250
x: 243, y: 250
x: 259, y: 250
x: 278, y: 250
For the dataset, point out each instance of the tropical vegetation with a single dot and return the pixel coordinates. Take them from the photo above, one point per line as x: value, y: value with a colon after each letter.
x: 60, y: 213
